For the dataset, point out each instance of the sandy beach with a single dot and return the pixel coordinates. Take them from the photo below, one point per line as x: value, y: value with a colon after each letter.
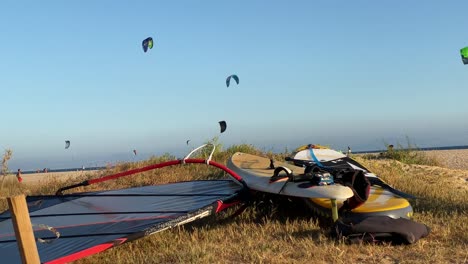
x: 452, y: 159
x: 35, y: 178
x: 456, y: 159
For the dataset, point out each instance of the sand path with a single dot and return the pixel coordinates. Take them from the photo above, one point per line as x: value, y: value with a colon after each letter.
x: 38, y: 177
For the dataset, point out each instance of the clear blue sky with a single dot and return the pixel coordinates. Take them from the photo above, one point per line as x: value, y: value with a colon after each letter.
x: 338, y: 73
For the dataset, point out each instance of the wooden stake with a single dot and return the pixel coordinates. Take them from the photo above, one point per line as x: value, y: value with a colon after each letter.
x: 23, y: 229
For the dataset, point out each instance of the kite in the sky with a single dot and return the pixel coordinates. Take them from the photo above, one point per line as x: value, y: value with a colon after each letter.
x: 228, y: 80
x: 188, y: 141
x: 135, y: 152
x: 222, y: 125
x: 147, y: 44
x: 67, y: 144
x: 464, y: 55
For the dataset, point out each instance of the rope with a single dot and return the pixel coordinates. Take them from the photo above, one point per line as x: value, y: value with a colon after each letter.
x: 200, y: 147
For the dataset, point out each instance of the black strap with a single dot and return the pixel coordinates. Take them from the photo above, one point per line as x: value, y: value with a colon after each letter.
x: 272, y: 164
x: 359, y: 184
x: 276, y: 174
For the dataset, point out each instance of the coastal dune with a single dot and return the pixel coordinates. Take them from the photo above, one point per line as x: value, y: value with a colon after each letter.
x: 35, y: 178
x: 452, y: 159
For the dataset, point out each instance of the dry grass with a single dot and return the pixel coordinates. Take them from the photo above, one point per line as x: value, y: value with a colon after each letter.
x: 281, y: 230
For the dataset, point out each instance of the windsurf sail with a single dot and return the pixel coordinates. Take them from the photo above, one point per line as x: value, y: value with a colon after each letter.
x: 91, y: 222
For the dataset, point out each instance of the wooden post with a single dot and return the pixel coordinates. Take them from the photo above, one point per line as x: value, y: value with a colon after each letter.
x: 23, y: 229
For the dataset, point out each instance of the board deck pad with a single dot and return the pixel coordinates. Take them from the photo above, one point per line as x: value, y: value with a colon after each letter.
x: 256, y: 172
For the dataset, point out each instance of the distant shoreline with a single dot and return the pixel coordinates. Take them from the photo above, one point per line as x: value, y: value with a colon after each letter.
x: 61, y: 170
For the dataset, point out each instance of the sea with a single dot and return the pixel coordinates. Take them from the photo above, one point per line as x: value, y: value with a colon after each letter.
x: 63, y: 170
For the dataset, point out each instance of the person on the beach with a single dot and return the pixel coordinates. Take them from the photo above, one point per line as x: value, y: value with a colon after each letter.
x: 18, y: 176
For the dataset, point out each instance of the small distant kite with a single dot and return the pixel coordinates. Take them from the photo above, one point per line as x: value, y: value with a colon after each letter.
x: 222, y: 125
x: 188, y: 141
x: 67, y: 144
x: 135, y: 152
x: 147, y: 44
x: 464, y: 55
x: 228, y: 80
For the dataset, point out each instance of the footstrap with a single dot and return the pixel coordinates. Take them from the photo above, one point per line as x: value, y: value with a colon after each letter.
x: 277, y: 176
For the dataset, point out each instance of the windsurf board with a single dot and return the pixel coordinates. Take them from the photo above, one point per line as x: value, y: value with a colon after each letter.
x: 383, y: 199
x: 256, y: 172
